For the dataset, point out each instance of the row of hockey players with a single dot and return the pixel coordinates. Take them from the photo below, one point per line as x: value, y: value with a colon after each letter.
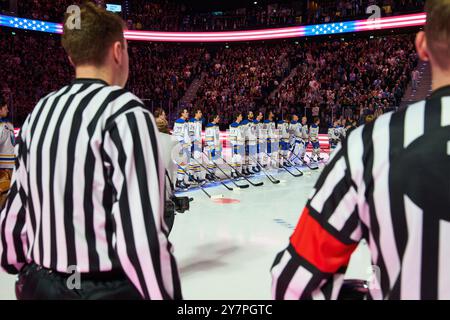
x: 255, y: 143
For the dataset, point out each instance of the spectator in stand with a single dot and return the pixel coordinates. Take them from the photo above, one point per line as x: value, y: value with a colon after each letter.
x: 7, y: 157
x: 161, y: 121
x: 415, y: 75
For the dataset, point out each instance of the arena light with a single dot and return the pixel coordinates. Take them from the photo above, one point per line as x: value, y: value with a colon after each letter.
x: 217, y: 34
x: 408, y: 17
x: 231, y: 36
x: 207, y: 38
x: 330, y: 28
x: 30, y: 24
x: 394, y: 22
x: 366, y: 25
x: 114, y: 7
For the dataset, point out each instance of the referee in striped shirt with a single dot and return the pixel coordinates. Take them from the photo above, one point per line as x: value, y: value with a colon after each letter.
x: 87, y: 191
x: 388, y: 183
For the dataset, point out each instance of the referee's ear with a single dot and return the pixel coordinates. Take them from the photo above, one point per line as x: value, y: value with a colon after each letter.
x: 421, y: 46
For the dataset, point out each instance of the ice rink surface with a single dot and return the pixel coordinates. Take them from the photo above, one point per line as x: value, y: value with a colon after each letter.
x: 225, y: 251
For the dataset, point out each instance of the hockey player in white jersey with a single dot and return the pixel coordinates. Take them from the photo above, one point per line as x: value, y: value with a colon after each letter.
x: 237, y: 141
x: 244, y: 126
x: 181, y: 133
x: 305, y: 138
x: 213, y: 146
x: 285, y: 137
x: 195, y: 133
x: 272, y: 144
x: 251, y: 145
x: 275, y: 155
x: 335, y: 134
x: 296, y: 139
x: 262, y: 139
x: 314, y: 137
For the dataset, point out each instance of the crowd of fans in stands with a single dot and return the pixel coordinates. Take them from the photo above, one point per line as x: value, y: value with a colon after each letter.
x: 33, y: 65
x: 242, y: 77
x: 351, y: 79
x: 161, y: 73
x: 326, y: 79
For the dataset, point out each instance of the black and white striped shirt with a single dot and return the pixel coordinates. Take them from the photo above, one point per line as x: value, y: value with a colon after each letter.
x: 389, y: 183
x: 88, y: 190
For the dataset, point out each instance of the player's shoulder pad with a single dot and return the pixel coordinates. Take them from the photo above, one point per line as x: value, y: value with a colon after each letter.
x: 192, y: 120
x: 181, y: 121
x: 255, y: 121
x: 267, y: 121
x: 281, y: 122
x: 294, y: 122
x: 244, y: 122
x: 234, y: 125
x: 210, y: 125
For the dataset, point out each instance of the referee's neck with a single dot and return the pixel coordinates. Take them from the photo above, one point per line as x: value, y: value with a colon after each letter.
x: 441, y: 79
x: 91, y: 72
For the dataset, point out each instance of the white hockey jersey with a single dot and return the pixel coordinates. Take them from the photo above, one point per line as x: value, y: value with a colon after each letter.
x: 314, y: 133
x: 195, y: 130
x: 261, y: 132
x: 236, y: 134
x: 283, y: 126
x: 7, y: 142
x: 244, y: 127
x: 296, y: 130
x: 342, y: 132
x: 305, y: 132
x: 269, y: 126
x: 252, y: 131
x: 181, y: 132
x: 336, y: 133
x: 212, y: 136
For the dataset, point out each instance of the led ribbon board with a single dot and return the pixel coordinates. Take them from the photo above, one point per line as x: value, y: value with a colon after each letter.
x: 332, y: 28
x: 30, y: 24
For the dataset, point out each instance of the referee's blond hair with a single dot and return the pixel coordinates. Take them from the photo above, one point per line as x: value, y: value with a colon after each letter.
x: 99, y: 30
x: 437, y: 31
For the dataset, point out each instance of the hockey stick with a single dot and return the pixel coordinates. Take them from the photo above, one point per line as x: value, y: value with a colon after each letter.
x: 244, y: 186
x: 283, y: 167
x: 207, y: 170
x: 270, y: 177
x: 294, y: 166
x: 259, y: 184
x: 304, y: 162
x: 204, y: 191
x: 312, y: 160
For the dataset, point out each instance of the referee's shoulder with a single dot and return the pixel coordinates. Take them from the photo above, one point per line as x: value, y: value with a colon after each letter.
x: 379, y: 130
x: 49, y: 95
x: 120, y: 97
x: 122, y: 102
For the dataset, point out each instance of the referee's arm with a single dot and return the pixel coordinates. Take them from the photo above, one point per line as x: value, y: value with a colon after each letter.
x: 314, y: 264
x: 137, y: 176
x: 13, y: 238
